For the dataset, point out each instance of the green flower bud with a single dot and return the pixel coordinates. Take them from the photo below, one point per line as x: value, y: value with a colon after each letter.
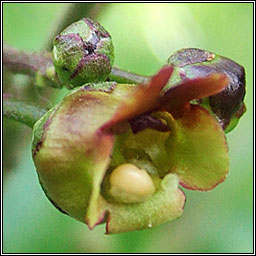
x: 83, y: 53
x: 227, y: 106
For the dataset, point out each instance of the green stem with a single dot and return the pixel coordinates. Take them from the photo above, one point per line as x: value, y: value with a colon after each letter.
x: 41, y: 67
x: 122, y: 76
x: 22, y: 112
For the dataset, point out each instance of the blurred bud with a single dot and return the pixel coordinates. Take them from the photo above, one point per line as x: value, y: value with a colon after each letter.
x: 83, y: 53
x: 227, y: 106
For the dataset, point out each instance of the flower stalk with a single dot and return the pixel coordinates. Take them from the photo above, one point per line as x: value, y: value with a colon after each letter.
x: 22, y: 112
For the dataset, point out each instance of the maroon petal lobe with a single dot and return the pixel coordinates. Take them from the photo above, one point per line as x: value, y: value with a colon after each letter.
x: 190, y: 89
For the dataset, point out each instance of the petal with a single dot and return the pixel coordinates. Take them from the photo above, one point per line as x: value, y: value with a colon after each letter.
x: 165, y: 205
x: 142, y: 99
x: 196, y: 88
x: 199, y: 152
x: 101, y: 158
x: 73, y: 154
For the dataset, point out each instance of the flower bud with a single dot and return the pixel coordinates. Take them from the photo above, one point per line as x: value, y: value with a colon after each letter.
x: 227, y: 105
x: 82, y: 53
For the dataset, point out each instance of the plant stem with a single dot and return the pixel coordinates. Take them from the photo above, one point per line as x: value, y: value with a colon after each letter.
x: 37, y: 65
x: 40, y: 66
x: 123, y: 76
x: 22, y: 112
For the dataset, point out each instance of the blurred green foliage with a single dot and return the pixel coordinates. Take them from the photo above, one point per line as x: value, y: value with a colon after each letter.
x: 144, y: 35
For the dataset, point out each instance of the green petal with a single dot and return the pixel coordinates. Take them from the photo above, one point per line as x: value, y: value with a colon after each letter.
x: 73, y: 154
x: 165, y: 205
x: 199, y: 152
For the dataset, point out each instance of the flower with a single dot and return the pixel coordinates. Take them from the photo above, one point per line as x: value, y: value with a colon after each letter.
x: 117, y: 154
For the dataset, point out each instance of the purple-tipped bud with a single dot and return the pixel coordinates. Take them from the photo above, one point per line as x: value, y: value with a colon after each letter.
x: 83, y: 53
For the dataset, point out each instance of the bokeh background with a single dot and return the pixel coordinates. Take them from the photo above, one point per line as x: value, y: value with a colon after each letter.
x: 144, y: 35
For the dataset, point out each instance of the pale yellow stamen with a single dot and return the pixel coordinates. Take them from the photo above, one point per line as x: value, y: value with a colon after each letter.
x: 129, y: 184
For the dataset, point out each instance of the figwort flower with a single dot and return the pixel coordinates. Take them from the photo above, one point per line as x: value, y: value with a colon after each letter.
x: 116, y: 153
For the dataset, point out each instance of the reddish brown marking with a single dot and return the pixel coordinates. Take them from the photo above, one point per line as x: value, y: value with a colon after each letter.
x: 184, y: 185
x: 86, y: 59
x: 101, y: 220
x: 69, y: 36
x: 37, y: 148
x: 240, y: 111
x: 107, y: 222
x: 185, y: 199
x: 40, y: 142
x: 93, y: 27
x: 110, y: 89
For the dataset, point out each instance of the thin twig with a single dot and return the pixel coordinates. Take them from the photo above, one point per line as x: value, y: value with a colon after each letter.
x: 37, y: 65
x: 22, y: 112
x: 123, y: 76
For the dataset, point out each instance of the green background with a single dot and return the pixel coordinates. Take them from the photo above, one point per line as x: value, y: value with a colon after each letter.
x: 144, y: 35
